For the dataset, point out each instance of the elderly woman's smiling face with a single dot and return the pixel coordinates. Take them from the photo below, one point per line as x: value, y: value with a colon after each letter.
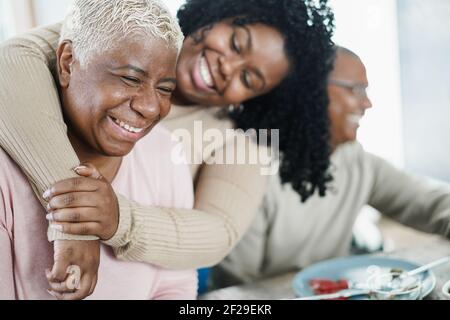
x: 119, y: 96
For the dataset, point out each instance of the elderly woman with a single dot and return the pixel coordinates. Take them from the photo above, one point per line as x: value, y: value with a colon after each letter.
x: 267, y: 59
x: 95, y: 90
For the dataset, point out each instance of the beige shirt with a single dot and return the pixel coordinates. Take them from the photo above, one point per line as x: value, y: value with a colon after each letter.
x: 287, y: 235
x: 33, y: 133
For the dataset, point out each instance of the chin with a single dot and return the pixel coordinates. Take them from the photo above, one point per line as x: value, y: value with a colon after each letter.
x: 117, y: 151
x: 351, y: 138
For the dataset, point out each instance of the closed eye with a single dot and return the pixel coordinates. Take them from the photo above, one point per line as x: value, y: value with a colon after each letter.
x: 234, y: 44
x: 245, y: 78
x: 131, y: 80
x: 166, y: 90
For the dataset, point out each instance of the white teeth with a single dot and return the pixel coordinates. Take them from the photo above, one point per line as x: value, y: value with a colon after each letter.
x: 354, y: 118
x: 128, y: 127
x: 204, y: 72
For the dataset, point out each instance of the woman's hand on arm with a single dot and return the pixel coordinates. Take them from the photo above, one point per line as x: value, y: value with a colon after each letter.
x: 86, y: 205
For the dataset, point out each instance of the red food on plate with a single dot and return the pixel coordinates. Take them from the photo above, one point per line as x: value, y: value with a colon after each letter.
x: 326, y: 286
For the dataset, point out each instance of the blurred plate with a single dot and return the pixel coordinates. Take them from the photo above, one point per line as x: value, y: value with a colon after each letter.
x: 357, y: 269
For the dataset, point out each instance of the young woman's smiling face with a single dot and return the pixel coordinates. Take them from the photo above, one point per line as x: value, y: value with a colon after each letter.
x: 119, y: 96
x: 230, y: 64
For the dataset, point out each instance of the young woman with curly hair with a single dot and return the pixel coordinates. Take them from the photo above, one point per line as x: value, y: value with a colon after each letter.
x: 270, y: 56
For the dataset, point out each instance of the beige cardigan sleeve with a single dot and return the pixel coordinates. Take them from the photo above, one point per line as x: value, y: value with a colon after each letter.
x: 34, y: 135
x: 226, y: 199
x: 32, y: 130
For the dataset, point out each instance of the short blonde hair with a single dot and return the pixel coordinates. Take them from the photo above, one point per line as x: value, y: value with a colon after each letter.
x: 96, y: 26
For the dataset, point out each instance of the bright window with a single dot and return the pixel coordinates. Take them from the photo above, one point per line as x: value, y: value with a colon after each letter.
x: 369, y: 28
x: 2, y: 27
x: 6, y: 24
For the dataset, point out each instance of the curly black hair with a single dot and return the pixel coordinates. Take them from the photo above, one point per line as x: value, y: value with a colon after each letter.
x: 298, y: 107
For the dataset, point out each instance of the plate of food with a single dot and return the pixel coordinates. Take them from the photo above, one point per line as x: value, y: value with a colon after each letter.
x: 350, y: 274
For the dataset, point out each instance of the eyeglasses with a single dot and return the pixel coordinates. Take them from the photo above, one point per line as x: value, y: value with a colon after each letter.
x: 358, y: 89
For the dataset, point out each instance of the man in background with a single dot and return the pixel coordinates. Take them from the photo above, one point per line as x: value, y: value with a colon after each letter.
x: 288, y: 235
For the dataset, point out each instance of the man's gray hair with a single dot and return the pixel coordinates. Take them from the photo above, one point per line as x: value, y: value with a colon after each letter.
x: 95, y: 26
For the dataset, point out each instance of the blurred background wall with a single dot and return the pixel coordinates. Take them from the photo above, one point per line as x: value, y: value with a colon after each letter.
x: 424, y: 29
x: 369, y: 28
x: 405, y: 45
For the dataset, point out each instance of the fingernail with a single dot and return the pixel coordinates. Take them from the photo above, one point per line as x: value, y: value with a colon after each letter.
x: 49, y: 207
x: 51, y: 293
x: 47, y: 273
x: 46, y: 194
x: 80, y: 168
x: 50, y: 217
x: 57, y: 227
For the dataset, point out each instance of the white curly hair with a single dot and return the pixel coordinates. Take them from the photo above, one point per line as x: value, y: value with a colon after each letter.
x: 96, y: 26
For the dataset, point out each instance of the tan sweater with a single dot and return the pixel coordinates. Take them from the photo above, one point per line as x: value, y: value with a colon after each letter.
x: 33, y: 133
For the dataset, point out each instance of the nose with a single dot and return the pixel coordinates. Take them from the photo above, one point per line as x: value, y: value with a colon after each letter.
x: 228, y: 66
x: 146, y: 104
x: 366, y: 103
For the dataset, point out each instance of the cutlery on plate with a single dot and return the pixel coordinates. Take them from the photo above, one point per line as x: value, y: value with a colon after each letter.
x: 348, y: 293
x: 426, y: 267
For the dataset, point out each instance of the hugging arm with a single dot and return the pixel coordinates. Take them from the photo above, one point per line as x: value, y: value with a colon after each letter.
x: 33, y: 133
x: 226, y: 199
x: 180, y: 239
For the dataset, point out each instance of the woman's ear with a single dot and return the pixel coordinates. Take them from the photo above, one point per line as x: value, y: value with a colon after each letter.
x: 65, y: 58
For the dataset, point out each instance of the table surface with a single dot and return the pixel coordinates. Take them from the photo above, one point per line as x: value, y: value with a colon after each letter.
x: 280, y: 287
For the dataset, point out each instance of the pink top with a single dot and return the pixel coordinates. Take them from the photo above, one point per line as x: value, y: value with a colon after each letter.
x: 147, y: 175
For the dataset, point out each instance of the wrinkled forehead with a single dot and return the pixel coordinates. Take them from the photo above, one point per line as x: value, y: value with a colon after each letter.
x: 141, y: 49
